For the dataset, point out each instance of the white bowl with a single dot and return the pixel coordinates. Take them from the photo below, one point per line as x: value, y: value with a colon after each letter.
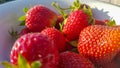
x: 11, y: 11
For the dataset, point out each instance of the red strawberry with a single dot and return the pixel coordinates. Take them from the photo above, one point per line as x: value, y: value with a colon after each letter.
x: 76, y: 21
x: 74, y: 60
x: 24, y: 31
x: 100, y: 22
x: 56, y: 36
x: 99, y: 43
x: 39, y: 17
x: 118, y: 57
x: 69, y: 47
x: 35, y: 47
x: 112, y: 64
x: 105, y: 22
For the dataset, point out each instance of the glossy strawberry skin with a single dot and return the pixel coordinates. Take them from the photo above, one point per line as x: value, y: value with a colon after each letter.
x: 74, y: 60
x: 35, y: 47
x: 99, y: 43
x: 39, y: 17
x: 56, y: 36
x: 76, y: 21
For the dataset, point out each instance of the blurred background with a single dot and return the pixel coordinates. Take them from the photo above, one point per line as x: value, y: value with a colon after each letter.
x: 3, y: 1
x: 115, y: 2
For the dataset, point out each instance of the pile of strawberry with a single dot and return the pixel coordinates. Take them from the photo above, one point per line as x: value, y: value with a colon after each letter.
x: 69, y: 40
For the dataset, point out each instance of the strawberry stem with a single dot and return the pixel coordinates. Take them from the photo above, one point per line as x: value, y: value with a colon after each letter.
x: 63, y: 13
x: 79, y: 6
x: 76, y: 5
x: 88, y: 10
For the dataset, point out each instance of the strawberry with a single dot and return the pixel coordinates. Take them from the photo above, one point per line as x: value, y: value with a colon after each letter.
x: 35, y: 47
x: 74, y: 60
x: 24, y: 31
x: 69, y: 47
x: 56, y: 36
x: 39, y: 17
x: 118, y: 57
x: 79, y: 18
x: 112, y: 64
x: 76, y: 21
x: 100, y: 22
x: 105, y: 22
x: 99, y: 43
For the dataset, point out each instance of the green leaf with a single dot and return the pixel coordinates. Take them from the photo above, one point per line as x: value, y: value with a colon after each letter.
x: 22, y: 23
x: 22, y: 63
x: 74, y: 43
x: 111, y: 23
x: 76, y: 5
x: 36, y: 64
x: 88, y: 11
x: 25, y: 9
x: 8, y: 64
x: 61, y: 26
x: 22, y: 18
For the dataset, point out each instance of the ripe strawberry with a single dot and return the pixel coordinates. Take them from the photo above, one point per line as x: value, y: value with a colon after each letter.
x: 24, y: 31
x: 112, y: 64
x: 105, y: 22
x: 56, y: 36
x: 76, y: 21
x: 80, y: 16
x: 100, y: 22
x: 69, y: 47
x: 74, y: 60
x: 118, y: 56
x: 39, y: 17
x: 35, y: 47
x: 99, y: 43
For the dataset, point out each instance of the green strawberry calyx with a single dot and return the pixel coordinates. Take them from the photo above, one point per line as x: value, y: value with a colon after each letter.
x: 13, y: 33
x: 22, y: 18
x: 22, y: 63
x: 110, y: 22
x: 59, y: 9
x: 62, y: 12
x: 77, y: 5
